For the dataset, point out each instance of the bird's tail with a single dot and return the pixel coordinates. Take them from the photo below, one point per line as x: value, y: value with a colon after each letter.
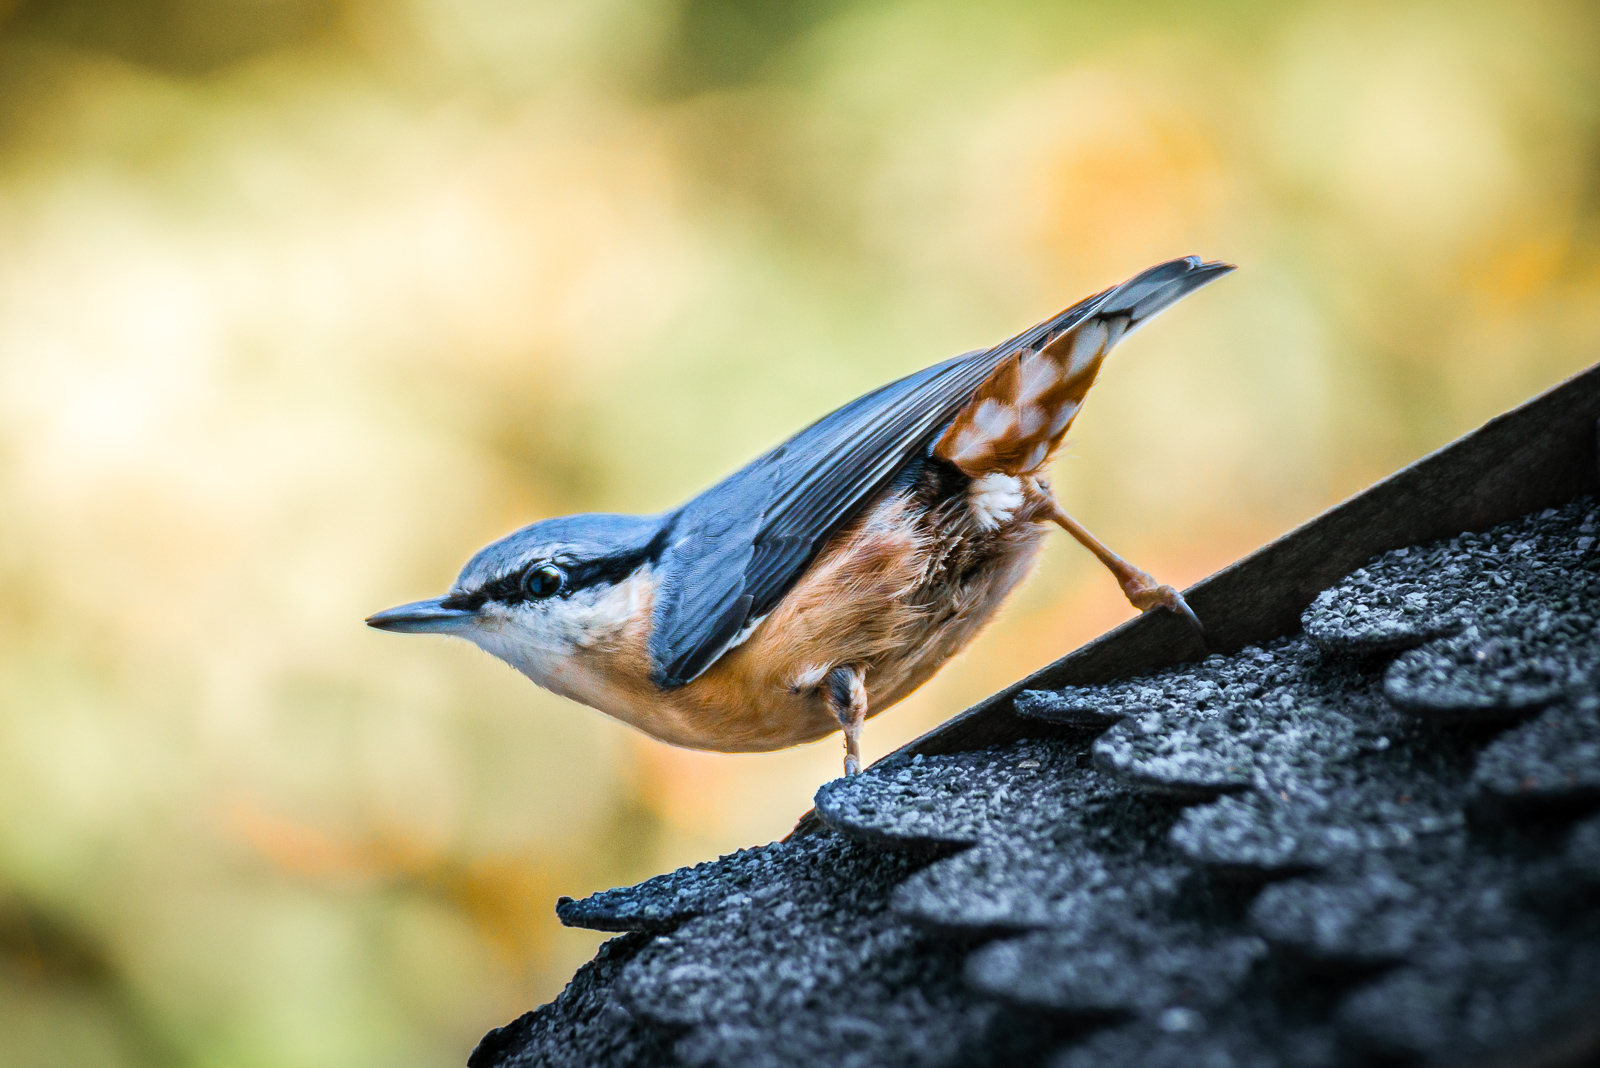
x: 1154, y: 290
x: 1019, y: 415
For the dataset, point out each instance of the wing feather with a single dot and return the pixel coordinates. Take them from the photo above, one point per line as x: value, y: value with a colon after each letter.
x: 736, y: 549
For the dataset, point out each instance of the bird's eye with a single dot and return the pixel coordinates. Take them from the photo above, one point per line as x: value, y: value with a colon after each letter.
x: 543, y: 581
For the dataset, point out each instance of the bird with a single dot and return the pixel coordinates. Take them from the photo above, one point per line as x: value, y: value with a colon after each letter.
x: 832, y: 575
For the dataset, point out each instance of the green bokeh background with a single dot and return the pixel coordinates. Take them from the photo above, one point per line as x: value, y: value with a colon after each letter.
x: 301, y: 301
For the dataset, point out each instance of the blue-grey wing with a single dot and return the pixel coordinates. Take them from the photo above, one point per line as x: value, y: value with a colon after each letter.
x: 736, y: 549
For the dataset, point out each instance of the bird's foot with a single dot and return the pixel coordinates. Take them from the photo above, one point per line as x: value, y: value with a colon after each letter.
x: 1144, y: 594
x: 852, y: 764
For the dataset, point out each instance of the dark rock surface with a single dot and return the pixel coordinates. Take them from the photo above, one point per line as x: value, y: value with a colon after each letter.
x: 1371, y: 842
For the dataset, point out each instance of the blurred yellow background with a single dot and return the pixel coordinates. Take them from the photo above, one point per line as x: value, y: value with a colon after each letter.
x: 302, y: 301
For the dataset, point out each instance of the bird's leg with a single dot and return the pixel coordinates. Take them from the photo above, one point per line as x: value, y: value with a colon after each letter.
x: 845, y: 689
x: 1143, y: 592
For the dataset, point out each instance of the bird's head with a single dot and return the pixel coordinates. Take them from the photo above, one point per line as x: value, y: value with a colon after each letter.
x: 542, y: 595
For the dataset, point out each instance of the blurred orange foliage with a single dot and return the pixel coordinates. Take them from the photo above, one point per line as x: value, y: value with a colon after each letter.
x: 303, y: 301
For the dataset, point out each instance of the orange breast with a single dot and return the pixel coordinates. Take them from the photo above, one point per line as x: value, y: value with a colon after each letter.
x: 882, y: 594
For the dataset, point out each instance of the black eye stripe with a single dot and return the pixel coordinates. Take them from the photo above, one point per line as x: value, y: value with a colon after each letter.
x: 604, y: 571
x: 511, y: 588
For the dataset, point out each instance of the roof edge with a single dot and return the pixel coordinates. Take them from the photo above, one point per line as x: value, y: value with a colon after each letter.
x: 1542, y: 452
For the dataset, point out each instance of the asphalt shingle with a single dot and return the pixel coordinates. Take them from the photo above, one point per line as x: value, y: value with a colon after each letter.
x: 1371, y: 839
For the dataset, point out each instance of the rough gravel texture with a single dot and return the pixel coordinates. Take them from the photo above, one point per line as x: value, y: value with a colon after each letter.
x: 1372, y: 842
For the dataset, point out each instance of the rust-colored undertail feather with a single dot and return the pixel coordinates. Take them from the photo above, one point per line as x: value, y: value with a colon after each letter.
x: 1019, y: 415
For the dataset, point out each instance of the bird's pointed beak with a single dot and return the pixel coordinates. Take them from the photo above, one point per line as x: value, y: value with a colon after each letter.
x: 420, y: 617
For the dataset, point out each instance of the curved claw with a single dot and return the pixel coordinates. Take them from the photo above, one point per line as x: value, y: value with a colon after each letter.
x: 1181, y: 607
x: 1167, y: 597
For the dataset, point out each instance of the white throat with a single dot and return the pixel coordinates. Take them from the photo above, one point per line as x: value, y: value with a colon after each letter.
x: 552, y: 642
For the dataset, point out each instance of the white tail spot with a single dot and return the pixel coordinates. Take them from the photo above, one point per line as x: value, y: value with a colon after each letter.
x: 970, y: 446
x: 1063, y: 416
x: 1036, y: 374
x: 1115, y: 330
x: 994, y: 419
x: 1087, y: 345
x: 1036, y: 455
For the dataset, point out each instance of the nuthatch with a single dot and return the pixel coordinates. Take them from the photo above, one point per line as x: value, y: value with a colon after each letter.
x: 829, y: 577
